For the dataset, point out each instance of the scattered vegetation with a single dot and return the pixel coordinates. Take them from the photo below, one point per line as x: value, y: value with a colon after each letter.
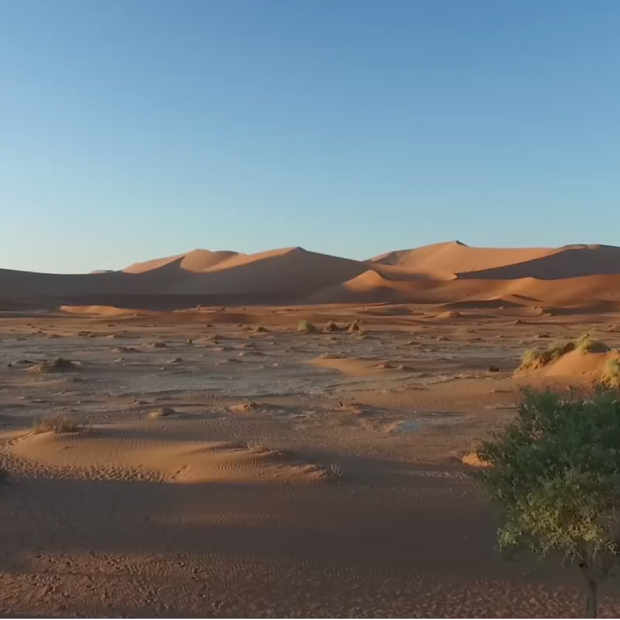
x: 332, y: 327
x: 259, y: 329
x: 58, y: 364
x: 164, y: 412
x: 57, y: 424
x: 335, y: 471
x: 587, y: 344
x: 353, y: 327
x: 537, y: 358
x: 611, y: 374
x: 250, y: 405
x: 306, y: 327
x: 554, y: 474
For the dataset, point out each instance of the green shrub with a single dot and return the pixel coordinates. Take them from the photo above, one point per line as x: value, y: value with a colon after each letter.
x: 306, y: 327
x: 553, y: 473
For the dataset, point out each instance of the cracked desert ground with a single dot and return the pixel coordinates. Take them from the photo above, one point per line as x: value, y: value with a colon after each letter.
x: 225, y: 470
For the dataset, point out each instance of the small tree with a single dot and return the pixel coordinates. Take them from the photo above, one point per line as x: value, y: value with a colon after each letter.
x: 555, y: 474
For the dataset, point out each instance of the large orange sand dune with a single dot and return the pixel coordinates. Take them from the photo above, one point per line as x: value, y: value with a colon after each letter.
x: 574, y: 277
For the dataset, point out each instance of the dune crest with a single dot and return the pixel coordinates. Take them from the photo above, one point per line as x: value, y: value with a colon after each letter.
x: 575, y: 277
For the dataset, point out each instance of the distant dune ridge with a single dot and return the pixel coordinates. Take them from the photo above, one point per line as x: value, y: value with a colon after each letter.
x: 454, y: 274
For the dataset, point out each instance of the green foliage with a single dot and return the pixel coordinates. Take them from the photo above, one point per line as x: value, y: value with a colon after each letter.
x: 555, y: 474
x: 307, y: 327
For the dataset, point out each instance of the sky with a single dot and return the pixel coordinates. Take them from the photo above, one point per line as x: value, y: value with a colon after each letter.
x: 135, y: 129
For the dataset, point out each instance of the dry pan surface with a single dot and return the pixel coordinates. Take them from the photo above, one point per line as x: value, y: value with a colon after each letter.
x: 224, y: 470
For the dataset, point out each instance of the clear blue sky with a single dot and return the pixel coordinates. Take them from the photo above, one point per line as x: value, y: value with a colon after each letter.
x: 133, y: 129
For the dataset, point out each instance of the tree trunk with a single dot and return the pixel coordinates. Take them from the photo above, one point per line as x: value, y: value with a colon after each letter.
x: 592, y: 606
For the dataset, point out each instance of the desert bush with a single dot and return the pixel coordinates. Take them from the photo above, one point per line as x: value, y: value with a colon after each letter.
x: 537, y: 358
x: 57, y: 424
x: 587, y: 344
x: 532, y: 358
x: 164, y: 412
x: 331, y: 327
x: 553, y: 472
x: 58, y: 364
x: 611, y: 374
x: 307, y: 327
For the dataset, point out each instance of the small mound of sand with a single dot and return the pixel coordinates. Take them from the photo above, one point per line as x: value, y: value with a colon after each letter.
x: 124, y: 350
x: 125, y: 458
x: 450, y: 314
x: 164, y: 412
x: 331, y: 327
x: 473, y: 460
x: 246, y: 407
x: 352, y: 367
x: 102, y: 311
x: 578, y: 364
x: 86, y: 334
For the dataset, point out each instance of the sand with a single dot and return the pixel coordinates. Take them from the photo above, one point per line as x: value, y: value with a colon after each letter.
x: 234, y: 472
x: 570, y: 278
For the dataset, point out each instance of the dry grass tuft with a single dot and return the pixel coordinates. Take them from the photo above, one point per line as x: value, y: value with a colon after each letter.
x: 587, y: 344
x: 164, y: 412
x: 535, y: 358
x: 58, y: 364
x: 306, y: 327
x: 57, y: 424
x: 611, y: 374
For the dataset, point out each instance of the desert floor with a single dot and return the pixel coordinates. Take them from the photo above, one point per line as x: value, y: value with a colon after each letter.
x: 296, y: 475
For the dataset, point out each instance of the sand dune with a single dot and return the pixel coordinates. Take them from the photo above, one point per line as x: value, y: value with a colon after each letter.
x: 567, y: 262
x: 570, y: 277
x: 196, y: 261
x: 577, y: 364
x: 443, y: 261
x: 120, y: 456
